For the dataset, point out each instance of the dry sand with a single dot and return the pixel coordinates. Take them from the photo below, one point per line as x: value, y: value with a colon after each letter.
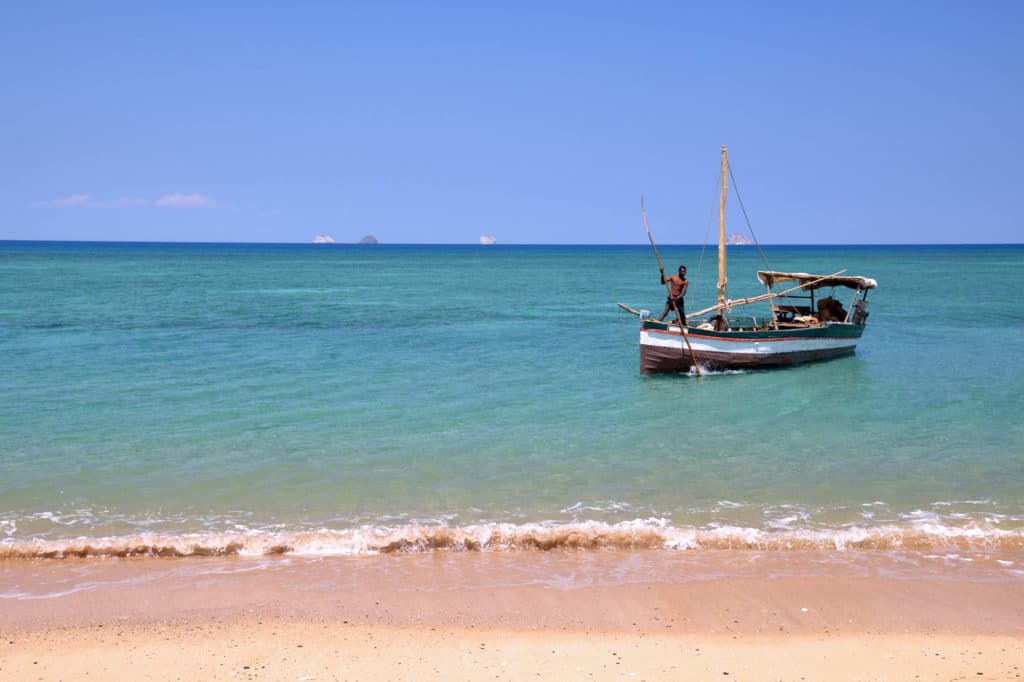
x: 478, y: 616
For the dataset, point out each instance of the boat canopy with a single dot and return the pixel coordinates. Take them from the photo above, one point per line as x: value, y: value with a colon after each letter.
x: 768, y: 278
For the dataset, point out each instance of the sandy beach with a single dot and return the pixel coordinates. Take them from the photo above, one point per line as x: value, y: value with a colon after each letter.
x: 309, y: 650
x: 478, y: 616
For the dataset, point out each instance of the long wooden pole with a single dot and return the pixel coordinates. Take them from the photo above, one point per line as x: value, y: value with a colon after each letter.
x: 668, y: 290
x: 643, y: 214
x: 765, y: 297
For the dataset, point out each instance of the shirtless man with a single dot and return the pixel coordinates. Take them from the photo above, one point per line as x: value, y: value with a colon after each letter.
x: 676, y: 293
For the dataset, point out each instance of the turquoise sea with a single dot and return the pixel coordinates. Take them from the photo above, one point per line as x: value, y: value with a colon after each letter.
x: 351, y: 399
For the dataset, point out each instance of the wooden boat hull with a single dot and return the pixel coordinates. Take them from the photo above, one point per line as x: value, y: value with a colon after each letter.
x: 662, y: 348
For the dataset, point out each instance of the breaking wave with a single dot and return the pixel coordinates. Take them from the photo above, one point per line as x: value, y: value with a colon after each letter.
x: 497, y: 537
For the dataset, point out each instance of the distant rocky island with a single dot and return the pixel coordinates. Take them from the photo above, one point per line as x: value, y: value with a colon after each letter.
x: 487, y: 239
x: 328, y: 239
x: 737, y: 239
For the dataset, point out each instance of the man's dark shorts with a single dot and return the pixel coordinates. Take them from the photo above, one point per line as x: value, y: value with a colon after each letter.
x: 679, y: 304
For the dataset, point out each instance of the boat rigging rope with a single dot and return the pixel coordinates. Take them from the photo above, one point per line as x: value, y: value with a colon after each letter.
x: 736, y: 189
x: 760, y: 251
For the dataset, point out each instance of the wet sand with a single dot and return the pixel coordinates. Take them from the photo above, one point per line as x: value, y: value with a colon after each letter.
x: 564, y: 616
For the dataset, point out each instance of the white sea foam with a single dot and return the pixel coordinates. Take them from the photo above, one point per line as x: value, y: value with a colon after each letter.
x: 578, y: 510
x: 781, y: 528
x: 784, y: 523
x: 705, y: 372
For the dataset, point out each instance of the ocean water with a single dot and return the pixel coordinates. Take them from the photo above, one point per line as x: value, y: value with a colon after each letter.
x: 206, y: 399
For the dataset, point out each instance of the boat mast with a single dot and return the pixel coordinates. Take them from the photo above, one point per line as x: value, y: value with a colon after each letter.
x: 721, y: 237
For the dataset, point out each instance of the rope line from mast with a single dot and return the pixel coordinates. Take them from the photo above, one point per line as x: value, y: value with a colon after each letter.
x: 736, y: 188
x: 750, y: 228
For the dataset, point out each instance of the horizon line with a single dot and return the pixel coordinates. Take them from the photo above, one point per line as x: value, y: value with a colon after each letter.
x: 485, y: 246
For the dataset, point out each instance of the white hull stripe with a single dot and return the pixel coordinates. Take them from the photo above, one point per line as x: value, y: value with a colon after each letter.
x: 751, y: 346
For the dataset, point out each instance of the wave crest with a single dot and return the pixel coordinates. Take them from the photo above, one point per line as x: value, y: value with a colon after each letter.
x: 593, y: 535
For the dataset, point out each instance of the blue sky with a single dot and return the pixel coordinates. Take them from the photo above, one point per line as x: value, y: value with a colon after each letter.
x: 537, y: 122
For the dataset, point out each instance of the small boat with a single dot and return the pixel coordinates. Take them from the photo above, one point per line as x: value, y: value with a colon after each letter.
x: 801, y: 326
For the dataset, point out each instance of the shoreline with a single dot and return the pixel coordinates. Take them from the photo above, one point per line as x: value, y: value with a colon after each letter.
x: 797, y: 590
x: 479, y: 616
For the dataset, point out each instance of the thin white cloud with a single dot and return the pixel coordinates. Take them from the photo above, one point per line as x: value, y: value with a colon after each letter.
x: 184, y: 201
x: 73, y: 200
x: 176, y: 200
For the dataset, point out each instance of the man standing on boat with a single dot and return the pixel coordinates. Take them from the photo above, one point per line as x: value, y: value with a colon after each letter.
x: 677, y: 292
